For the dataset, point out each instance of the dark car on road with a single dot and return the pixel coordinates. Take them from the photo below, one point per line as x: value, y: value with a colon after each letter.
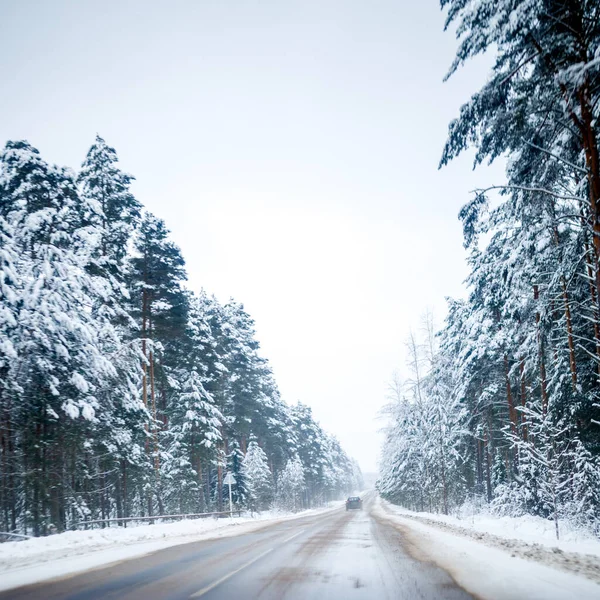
x: 353, y: 502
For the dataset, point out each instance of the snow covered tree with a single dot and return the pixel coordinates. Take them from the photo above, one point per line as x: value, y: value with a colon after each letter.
x: 113, y: 214
x: 113, y: 208
x: 521, y: 355
x: 582, y: 505
x: 193, y: 432
x: 426, y: 439
x: 160, y: 309
x: 259, y: 480
x: 58, y: 364
x: 121, y: 392
x: 10, y: 294
x: 233, y: 465
x: 290, y: 486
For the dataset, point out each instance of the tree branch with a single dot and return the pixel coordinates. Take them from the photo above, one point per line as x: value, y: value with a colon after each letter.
x: 521, y: 188
x: 518, y: 68
x: 572, y: 165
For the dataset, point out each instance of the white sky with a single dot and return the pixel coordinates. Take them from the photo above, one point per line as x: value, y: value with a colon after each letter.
x: 292, y: 149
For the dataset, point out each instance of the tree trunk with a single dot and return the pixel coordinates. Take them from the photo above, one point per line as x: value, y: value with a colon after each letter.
x: 478, y: 463
x: 124, y: 487
x: 512, y: 413
x: 540, y: 337
x: 488, y: 474
x: 590, y: 145
x: 569, y: 323
x: 572, y: 363
x: 590, y: 259
x: 220, y: 488
x: 523, y: 397
x: 154, y: 419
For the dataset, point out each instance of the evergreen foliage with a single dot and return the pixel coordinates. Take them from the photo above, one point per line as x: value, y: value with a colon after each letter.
x: 259, y: 479
x: 516, y: 375
x: 123, y: 393
x: 291, y: 485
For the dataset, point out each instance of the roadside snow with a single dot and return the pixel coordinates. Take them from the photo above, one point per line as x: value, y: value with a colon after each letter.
x: 38, y: 559
x: 533, y: 530
x: 493, y: 567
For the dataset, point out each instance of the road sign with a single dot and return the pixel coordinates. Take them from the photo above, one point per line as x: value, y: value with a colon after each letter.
x: 230, y: 480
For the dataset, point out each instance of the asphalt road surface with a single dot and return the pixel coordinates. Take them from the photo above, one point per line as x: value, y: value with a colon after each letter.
x: 338, y: 555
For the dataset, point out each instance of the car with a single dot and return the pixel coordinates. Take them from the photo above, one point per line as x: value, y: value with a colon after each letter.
x: 354, y: 502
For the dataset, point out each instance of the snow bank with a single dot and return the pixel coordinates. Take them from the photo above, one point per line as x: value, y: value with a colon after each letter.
x: 493, y: 572
x: 530, y: 529
x: 38, y: 559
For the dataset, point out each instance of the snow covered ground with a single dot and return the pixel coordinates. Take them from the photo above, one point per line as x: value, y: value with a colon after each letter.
x: 494, y: 566
x: 37, y: 559
x: 533, y: 530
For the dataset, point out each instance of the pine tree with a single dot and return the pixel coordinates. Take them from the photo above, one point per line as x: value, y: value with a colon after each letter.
x: 113, y: 214
x: 259, y: 480
x: 59, y: 365
x: 193, y: 432
x: 122, y: 393
x: 290, y: 486
x: 113, y: 209
x: 160, y: 308
x: 521, y: 355
x: 10, y: 293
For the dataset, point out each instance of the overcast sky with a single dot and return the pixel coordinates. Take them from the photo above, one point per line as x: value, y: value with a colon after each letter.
x: 292, y: 149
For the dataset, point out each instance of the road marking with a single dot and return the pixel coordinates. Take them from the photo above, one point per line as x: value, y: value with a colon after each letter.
x: 213, y: 585
x: 292, y: 537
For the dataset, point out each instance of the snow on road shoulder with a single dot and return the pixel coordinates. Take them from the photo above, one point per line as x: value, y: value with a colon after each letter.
x: 585, y: 561
x: 529, y: 529
x: 38, y: 559
x: 488, y: 572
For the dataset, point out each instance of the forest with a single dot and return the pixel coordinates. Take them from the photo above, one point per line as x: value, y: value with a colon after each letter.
x: 122, y: 392
x: 502, y: 406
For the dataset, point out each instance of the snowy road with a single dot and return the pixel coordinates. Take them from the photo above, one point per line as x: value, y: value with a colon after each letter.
x: 337, y: 555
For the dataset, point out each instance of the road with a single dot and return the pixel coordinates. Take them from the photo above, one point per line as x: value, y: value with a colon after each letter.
x: 336, y: 555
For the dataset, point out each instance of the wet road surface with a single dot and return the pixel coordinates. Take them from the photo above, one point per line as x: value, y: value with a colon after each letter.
x: 338, y: 555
